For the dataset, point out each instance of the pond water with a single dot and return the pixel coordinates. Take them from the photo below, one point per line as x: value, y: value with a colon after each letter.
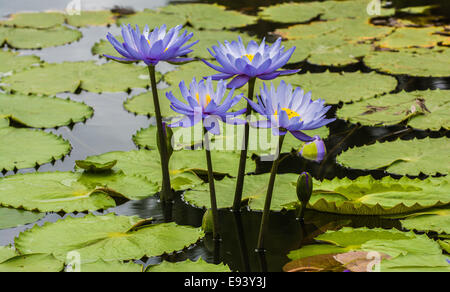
x: 111, y: 129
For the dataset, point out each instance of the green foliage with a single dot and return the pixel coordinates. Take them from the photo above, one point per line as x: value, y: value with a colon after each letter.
x: 32, y: 263
x: 12, y: 218
x: 12, y: 62
x: 188, y: 266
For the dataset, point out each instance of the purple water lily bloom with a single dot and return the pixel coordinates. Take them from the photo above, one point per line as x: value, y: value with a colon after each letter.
x: 152, y: 47
x: 205, y: 104
x: 255, y: 61
x: 290, y: 110
x: 315, y: 150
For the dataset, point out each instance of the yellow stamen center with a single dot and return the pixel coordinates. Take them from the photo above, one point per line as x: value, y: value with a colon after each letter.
x: 208, y: 98
x: 289, y: 112
x: 249, y: 56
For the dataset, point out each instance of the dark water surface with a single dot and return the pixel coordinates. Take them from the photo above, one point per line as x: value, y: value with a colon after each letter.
x: 111, y: 129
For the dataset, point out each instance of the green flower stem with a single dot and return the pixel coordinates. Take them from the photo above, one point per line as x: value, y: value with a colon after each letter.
x: 212, y: 189
x: 166, y: 191
x: 265, y: 216
x: 243, y: 158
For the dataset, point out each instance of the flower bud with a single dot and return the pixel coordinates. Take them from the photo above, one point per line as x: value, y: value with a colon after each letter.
x: 304, y: 188
x: 314, y: 150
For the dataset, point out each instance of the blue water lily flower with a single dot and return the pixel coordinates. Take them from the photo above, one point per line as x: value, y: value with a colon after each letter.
x: 290, y: 110
x: 205, y: 104
x: 254, y: 61
x: 152, y: 47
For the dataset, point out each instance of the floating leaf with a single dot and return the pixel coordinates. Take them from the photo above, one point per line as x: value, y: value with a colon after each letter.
x: 436, y: 220
x: 7, y: 252
x: 12, y: 218
x: 40, y: 20
x: 43, y: 112
x: 146, y: 164
x: 106, y: 237
x: 91, y: 18
x: 368, y: 196
x: 419, y: 109
x: 12, y: 62
x: 32, y: 263
x: 101, y: 266
x: 69, y: 76
x: 401, y: 157
x: 23, y: 148
x: 31, y: 38
x: 352, y: 9
x: 317, y: 263
x: 416, y: 62
x: 152, y: 18
x: 209, y: 16
x: 91, y: 166
x: 142, y: 104
x: 407, y: 37
x: 69, y: 192
x: 292, y: 12
x: 254, y: 193
x: 4, y: 121
x: 188, y: 266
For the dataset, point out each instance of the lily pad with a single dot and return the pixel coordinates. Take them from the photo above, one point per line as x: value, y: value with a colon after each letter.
x: 12, y: 62
x: 436, y: 220
x: 401, y: 157
x: 12, y: 218
x: 101, y: 266
x: 411, y: 37
x: 189, y: 266
x: 343, y: 87
x: 24, y: 148
x: 292, y: 12
x: 368, y: 196
x: 69, y: 76
x: 254, y: 193
x: 352, y: 9
x: 7, y: 252
x: 41, y: 20
x: 209, y: 16
x: 142, y: 104
x: 91, y: 18
x: 152, y: 18
x: 32, y: 263
x: 90, y: 166
x: 69, y: 192
x: 418, y: 109
x: 43, y: 112
x: 31, y: 38
x: 109, y: 237
x: 414, y: 62
x: 146, y: 164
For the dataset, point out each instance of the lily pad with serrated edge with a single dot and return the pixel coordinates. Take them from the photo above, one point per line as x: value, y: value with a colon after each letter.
x: 432, y: 220
x: 43, y: 112
x: 411, y: 157
x: 368, y: 196
x: 209, y: 16
x: 12, y: 62
x: 40, y: 20
x: 189, y: 266
x: 24, y: 148
x: 30, y: 38
x: 106, y: 237
x: 69, y: 192
x: 36, y: 262
x: 146, y: 164
x: 12, y: 218
x: 69, y: 76
x: 410, y: 37
x: 418, y: 109
x: 101, y: 266
x: 91, y: 18
x: 414, y: 62
x: 254, y: 193
x: 291, y: 12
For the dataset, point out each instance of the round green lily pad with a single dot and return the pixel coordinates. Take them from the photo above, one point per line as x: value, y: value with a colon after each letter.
x: 428, y: 156
x: 142, y: 104
x: 43, y: 112
x: 189, y: 266
x: 91, y: 18
x: 40, y: 20
x: 69, y: 192
x: 152, y: 18
x: 53, y: 78
x: 24, y: 148
x: 368, y: 196
x: 101, y: 266
x: 209, y: 16
x: 292, y: 12
x: 343, y: 87
x: 31, y: 38
x: 32, y: 263
x: 12, y: 217
x: 418, y: 109
x: 414, y: 62
x: 410, y: 37
x: 354, y: 9
x: 12, y: 62
x: 436, y: 220
x: 109, y: 237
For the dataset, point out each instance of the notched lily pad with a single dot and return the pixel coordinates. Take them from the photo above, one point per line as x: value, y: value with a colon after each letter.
x: 13, y: 62
x: 189, y: 266
x: 91, y: 166
x: 10, y: 218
